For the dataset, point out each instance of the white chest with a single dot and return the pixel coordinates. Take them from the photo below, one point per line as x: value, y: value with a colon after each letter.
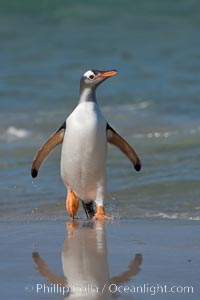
x: 86, y: 126
x: 83, y: 159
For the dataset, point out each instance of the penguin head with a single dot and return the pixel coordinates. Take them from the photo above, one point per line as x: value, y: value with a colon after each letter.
x: 93, y: 78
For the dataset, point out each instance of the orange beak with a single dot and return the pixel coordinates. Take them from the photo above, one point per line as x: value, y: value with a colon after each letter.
x: 108, y: 74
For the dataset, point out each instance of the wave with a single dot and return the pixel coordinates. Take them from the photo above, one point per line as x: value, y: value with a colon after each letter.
x: 13, y: 133
x: 126, y: 107
x: 162, y: 215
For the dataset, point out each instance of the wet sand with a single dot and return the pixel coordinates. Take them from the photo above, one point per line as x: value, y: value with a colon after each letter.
x: 122, y: 259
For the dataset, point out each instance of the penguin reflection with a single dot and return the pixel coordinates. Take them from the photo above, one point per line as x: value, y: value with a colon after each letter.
x: 84, y: 262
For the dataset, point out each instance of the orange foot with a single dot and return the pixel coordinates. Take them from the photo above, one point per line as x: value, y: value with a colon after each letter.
x: 72, y: 204
x: 100, y: 214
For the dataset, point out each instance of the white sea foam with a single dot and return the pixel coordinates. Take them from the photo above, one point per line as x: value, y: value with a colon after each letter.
x: 127, y: 107
x: 157, y: 134
x: 163, y: 215
x: 17, y: 132
x: 14, y: 133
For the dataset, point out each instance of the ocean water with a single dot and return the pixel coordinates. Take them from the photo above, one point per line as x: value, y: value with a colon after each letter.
x: 154, y: 101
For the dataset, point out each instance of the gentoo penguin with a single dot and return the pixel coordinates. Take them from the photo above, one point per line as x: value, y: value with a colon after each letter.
x: 84, y: 136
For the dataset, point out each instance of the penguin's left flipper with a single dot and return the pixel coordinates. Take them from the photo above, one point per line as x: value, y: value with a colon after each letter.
x: 114, y: 138
x: 42, y: 154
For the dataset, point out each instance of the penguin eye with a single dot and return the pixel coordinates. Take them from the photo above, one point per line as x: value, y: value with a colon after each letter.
x: 91, y: 77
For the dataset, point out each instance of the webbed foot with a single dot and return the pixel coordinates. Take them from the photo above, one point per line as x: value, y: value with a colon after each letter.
x: 100, y: 214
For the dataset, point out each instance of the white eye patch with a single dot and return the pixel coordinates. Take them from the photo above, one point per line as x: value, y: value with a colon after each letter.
x: 89, y: 74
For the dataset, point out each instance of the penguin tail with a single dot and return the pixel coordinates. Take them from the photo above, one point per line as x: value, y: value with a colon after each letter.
x: 89, y: 209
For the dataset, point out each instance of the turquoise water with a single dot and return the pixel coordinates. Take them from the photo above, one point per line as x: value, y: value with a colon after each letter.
x: 153, y: 102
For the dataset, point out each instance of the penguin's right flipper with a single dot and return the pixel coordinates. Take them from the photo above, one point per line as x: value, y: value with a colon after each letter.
x: 42, y: 154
